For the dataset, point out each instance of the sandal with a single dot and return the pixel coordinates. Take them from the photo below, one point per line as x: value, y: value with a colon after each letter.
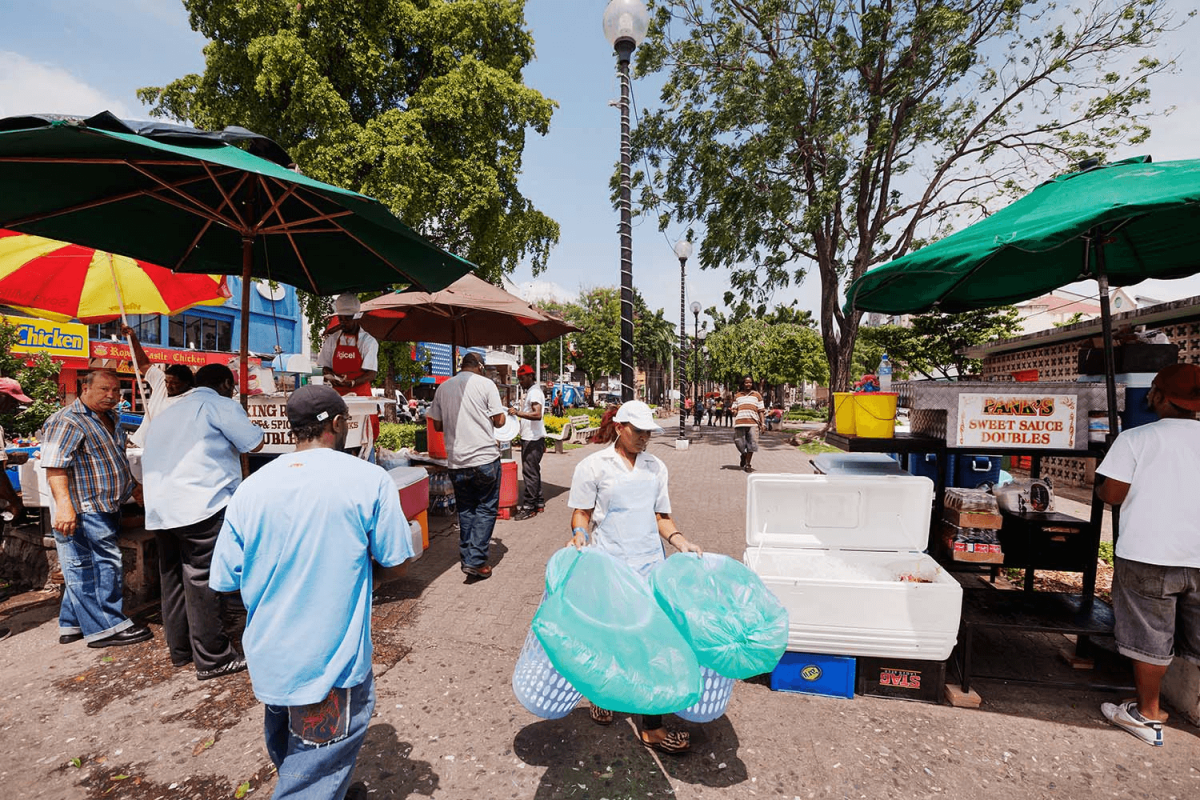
x: 673, y: 744
x: 602, y: 716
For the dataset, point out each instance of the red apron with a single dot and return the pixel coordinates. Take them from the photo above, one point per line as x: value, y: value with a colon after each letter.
x: 348, y: 362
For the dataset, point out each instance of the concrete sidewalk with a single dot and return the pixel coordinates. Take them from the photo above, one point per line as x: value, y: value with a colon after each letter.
x: 122, y: 723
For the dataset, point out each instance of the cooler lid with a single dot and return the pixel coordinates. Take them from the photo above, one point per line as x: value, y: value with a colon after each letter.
x: 838, y: 512
x: 857, y: 464
x: 404, y: 477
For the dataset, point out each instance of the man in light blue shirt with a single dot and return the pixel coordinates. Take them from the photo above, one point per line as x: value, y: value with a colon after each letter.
x: 191, y: 467
x: 298, y: 540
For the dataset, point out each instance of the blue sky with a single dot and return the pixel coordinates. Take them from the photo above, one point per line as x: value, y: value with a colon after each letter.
x: 81, y: 56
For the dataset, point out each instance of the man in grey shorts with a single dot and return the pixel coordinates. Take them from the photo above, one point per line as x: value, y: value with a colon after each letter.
x: 1151, y: 473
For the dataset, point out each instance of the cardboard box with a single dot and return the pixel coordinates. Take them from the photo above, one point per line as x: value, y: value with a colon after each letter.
x: 972, y: 519
x: 901, y: 679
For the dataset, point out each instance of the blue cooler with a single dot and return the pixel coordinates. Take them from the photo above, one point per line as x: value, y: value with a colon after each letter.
x: 809, y: 673
x: 925, y: 465
x: 971, y: 470
x: 14, y: 477
x: 857, y: 464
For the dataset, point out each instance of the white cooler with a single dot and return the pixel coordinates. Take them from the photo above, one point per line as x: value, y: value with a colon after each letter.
x: 834, y: 548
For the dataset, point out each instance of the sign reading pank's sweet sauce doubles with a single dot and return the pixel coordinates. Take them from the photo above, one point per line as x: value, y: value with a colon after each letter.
x: 1036, y: 421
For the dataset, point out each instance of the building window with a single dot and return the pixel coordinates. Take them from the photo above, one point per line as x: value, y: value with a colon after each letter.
x: 146, y: 326
x: 200, y: 333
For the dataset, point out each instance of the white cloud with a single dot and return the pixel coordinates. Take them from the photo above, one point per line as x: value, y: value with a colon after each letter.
x: 29, y: 87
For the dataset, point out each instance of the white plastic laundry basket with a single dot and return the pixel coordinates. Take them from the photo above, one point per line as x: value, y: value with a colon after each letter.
x: 717, y: 691
x: 538, y: 686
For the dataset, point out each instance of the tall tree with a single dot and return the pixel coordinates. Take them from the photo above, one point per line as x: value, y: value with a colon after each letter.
x: 419, y: 103
x: 770, y: 353
x: 597, y: 314
x: 836, y: 135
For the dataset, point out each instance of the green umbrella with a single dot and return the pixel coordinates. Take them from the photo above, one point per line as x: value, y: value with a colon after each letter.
x: 196, y: 201
x: 1145, y: 216
x: 1119, y: 224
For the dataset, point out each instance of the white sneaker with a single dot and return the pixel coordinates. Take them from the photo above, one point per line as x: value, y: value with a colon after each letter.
x: 1127, y: 717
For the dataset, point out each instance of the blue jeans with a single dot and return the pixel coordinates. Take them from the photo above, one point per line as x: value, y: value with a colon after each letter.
x: 91, y: 566
x: 309, y: 771
x: 477, y: 497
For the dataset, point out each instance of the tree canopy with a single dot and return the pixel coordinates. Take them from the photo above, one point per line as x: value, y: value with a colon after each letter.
x: 929, y: 347
x: 832, y: 136
x: 770, y: 353
x: 418, y: 103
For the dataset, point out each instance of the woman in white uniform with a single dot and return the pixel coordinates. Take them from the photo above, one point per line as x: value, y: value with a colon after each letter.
x: 619, y: 504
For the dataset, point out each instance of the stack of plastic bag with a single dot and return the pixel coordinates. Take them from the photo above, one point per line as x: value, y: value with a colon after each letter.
x: 605, y: 634
x: 675, y: 645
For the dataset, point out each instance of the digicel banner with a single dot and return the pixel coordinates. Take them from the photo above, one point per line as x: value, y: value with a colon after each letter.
x: 119, y: 351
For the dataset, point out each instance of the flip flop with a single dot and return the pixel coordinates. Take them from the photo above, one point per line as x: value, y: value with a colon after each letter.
x: 602, y: 716
x: 675, y: 743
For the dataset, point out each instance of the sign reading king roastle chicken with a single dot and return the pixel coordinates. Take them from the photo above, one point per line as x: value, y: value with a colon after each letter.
x: 1032, y: 421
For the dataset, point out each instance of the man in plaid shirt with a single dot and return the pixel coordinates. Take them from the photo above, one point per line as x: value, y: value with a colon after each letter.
x: 83, y: 453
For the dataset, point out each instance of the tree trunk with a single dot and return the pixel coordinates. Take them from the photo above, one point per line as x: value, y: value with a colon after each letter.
x: 389, y: 391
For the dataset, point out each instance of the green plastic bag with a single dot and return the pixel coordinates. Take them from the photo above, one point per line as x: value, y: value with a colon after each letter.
x: 732, y: 621
x: 603, y: 632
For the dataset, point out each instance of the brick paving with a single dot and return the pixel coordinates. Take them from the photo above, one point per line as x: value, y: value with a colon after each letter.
x: 447, y: 725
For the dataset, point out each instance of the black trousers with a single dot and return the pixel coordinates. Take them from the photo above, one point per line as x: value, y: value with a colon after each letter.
x: 192, y: 612
x: 531, y: 471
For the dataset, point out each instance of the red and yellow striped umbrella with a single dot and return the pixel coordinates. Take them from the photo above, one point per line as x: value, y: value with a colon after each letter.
x: 62, y: 281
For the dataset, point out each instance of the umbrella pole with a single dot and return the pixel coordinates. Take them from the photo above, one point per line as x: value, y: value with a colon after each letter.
x: 137, y: 372
x: 244, y: 347
x: 1106, y: 326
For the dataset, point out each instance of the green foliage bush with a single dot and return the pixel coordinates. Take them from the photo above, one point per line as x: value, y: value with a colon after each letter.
x: 395, y: 435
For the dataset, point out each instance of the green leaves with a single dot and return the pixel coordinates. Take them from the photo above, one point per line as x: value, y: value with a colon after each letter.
x: 786, y: 128
x: 419, y: 104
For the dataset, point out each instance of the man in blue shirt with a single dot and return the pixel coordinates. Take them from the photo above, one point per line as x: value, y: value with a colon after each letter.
x: 191, y: 467
x: 297, y: 542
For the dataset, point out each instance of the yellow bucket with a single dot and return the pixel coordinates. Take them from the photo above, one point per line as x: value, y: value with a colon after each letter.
x: 843, y: 413
x: 875, y: 414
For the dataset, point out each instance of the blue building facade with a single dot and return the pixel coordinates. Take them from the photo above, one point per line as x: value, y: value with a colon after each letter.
x: 275, y: 321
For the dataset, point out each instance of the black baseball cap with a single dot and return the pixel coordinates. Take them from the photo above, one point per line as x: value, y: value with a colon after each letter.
x: 313, y: 403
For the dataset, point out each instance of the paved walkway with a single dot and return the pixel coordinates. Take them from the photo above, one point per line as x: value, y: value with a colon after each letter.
x: 79, y: 723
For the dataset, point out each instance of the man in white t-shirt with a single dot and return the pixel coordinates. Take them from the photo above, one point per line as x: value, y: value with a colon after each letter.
x: 1151, y: 473
x: 533, y: 441
x: 467, y: 409
x: 166, y: 385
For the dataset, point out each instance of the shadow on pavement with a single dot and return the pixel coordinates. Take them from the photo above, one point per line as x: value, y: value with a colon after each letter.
x: 386, y: 766
x: 587, y: 760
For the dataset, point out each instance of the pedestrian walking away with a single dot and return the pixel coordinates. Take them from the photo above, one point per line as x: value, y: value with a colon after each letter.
x: 467, y: 409
x: 748, y: 421
x: 729, y: 409
x: 533, y: 441
x: 1150, y: 471
x: 620, y: 504
x: 166, y: 384
x: 297, y: 542
x: 191, y: 467
x: 83, y: 453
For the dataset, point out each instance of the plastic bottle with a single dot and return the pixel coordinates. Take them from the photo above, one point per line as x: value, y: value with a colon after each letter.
x: 885, y: 374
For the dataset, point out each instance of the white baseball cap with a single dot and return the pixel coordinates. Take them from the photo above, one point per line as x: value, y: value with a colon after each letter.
x: 637, y: 414
x: 347, y: 305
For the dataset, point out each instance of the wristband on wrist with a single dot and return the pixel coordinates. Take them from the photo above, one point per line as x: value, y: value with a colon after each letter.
x: 586, y: 536
x: 673, y: 535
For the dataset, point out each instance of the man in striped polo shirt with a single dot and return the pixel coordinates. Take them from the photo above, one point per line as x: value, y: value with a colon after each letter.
x: 748, y: 421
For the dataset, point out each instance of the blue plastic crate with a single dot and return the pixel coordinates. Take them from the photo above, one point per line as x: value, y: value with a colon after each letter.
x: 810, y: 673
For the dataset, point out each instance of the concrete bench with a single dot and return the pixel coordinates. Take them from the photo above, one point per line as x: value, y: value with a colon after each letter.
x: 582, y: 425
x: 564, y: 435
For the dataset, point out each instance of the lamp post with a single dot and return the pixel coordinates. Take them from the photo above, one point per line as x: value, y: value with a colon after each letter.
x: 625, y: 23
x: 683, y: 249
x: 696, y: 356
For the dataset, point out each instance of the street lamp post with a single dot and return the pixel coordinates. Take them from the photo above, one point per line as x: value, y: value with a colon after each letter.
x: 625, y: 23
x: 683, y: 249
x: 696, y: 357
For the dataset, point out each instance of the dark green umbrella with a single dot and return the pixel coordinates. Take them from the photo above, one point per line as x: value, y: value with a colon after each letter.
x: 1118, y: 224
x: 222, y: 202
